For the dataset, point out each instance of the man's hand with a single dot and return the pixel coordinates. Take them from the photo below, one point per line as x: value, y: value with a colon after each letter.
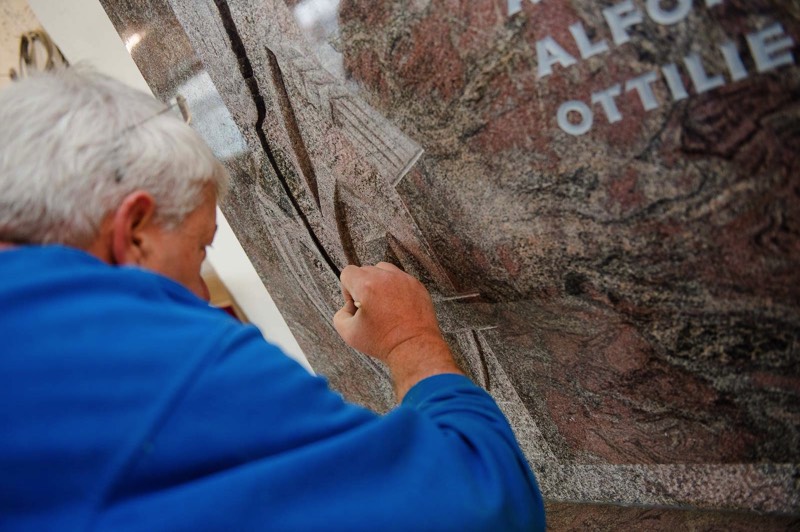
x: 393, y: 322
x: 395, y: 308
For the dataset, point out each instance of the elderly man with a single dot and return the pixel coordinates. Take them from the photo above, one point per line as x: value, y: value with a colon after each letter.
x: 127, y: 403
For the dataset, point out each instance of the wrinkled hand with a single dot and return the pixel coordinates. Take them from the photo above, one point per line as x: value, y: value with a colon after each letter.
x: 395, y: 322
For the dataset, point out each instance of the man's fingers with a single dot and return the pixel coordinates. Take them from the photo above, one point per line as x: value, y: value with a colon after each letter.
x: 355, y: 280
x: 348, y: 274
x: 350, y: 280
x: 342, y: 320
x: 350, y: 307
x: 388, y: 266
x: 346, y: 294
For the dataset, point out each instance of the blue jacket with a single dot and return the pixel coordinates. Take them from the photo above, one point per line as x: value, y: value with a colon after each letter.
x: 126, y: 403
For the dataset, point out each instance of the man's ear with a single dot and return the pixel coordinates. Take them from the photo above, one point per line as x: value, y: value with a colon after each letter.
x: 132, y: 226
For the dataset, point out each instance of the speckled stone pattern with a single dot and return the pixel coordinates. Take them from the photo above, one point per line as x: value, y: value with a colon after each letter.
x: 597, y: 518
x: 628, y: 294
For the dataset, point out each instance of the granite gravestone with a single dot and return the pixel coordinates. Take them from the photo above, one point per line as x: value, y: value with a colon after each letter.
x: 602, y: 197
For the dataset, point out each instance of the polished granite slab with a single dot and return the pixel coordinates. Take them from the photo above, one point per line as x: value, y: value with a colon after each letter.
x: 628, y: 291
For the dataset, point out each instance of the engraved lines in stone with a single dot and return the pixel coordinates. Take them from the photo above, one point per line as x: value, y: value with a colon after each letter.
x: 311, y: 81
x: 315, y: 87
x: 342, y: 227
x: 458, y: 297
x: 407, y: 247
x: 292, y: 129
x: 246, y: 70
x: 294, y: 255
x: 474, y: 345
x: 391, y: 151
x: 307, y: 282
x: 490, y: 374
x: 429, y: 267
x: 296, y: 266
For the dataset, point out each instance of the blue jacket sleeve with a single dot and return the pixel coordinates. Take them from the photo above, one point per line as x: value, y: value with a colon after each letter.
x: 252, y: 442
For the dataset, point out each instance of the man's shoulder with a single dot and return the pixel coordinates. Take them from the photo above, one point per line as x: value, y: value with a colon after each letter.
x: 90, y: 332
x: 84, y: 305
x: 50, y: 273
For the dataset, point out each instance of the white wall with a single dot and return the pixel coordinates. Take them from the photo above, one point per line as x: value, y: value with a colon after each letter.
x: 16, y: 18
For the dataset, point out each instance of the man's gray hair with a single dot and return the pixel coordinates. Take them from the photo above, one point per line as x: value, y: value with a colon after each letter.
x: 74, y: 143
